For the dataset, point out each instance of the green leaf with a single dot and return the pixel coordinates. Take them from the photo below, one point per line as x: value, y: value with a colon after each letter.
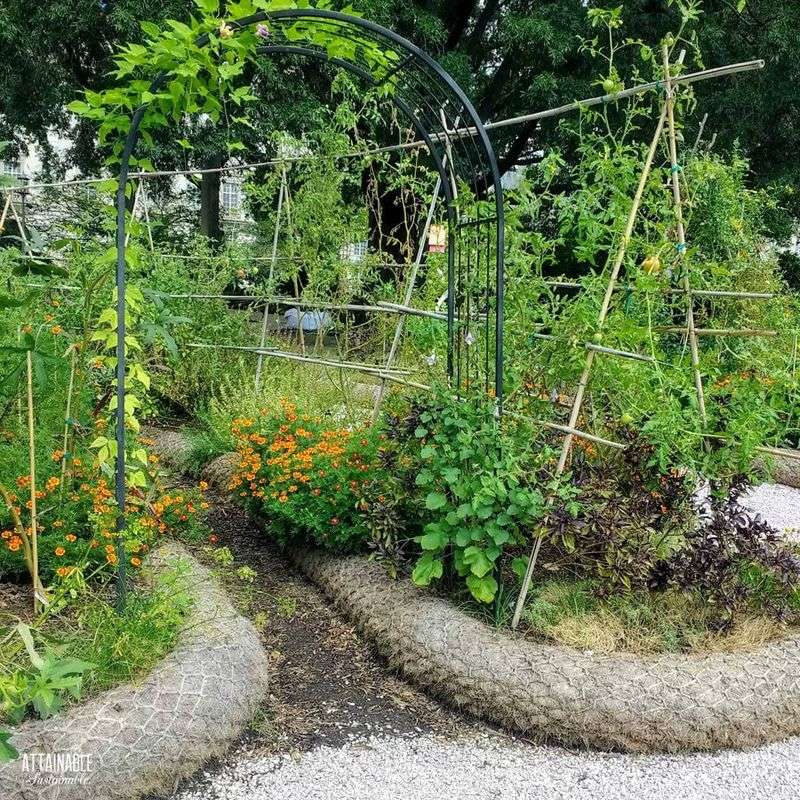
x: 520, y: 566
x: 434, y: 538
x: 479, y: 564
x: 14, y: 302
x: 435, y: 501
x: 7, y: 750
x: 25, y: 634
x: 428, y: 568
x: 451, y: 474
x: 482, y: 589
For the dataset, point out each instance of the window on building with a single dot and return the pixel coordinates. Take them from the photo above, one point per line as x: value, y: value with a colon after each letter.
x: 232, y: 198
x: 11, y: 168
x: 355, y: 251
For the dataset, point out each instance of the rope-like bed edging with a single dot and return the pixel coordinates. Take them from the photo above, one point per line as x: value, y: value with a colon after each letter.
x: 663, y: 703
x: 144, y: 737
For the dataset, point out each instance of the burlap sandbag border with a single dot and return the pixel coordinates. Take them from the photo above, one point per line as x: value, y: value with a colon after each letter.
x: 142, y: 738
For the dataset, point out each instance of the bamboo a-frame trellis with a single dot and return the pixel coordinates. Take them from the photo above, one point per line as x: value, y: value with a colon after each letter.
x: 666, y: 120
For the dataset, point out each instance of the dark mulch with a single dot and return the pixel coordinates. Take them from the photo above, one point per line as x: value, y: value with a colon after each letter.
x: 16, y: 603
x: 326, y: 684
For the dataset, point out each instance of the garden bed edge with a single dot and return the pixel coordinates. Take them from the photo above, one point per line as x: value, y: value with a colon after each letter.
x: 666, y: 703
x: 143, y: 737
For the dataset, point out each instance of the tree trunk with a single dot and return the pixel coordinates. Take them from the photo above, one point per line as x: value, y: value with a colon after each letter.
x: 210, y: 219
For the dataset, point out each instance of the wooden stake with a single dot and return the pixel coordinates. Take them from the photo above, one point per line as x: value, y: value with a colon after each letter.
x: 263, y: 339
x: 38, y: 598
x: 678, y: 202
x: 3, y: 216
x: 410, y: 283
x: 590, y: 355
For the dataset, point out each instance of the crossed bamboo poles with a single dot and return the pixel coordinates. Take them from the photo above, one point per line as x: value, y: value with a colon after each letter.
x: 571, y: 431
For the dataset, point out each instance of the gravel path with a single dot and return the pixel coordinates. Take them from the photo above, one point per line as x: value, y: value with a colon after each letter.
x: 470, y: 761
x: 779, y: 505
x: 428, y: 768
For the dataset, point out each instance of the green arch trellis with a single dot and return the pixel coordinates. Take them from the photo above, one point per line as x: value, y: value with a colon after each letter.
x: 438, y: 110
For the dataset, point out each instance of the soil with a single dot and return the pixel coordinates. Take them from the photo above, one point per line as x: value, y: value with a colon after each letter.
x: 16, y: 602
x: 326, y: 684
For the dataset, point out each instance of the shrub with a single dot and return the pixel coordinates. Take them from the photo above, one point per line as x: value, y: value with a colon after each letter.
x: 629, y: 516
x: 307, y: 477
x: 476, y: 479
x: 735, y: 560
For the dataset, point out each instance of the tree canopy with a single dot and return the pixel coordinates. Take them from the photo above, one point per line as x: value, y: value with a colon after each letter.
x: 512, y: 57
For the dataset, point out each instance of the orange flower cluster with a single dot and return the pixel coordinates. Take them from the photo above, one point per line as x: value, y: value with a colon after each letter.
x: 302, y: 472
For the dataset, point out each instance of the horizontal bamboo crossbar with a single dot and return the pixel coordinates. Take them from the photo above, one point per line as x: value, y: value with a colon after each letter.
x: 299, y: 356
x: 414, y: 312
x: 567, y: 430
x: 718, y: 331
x: 611, y: 351
x: 698, y: 292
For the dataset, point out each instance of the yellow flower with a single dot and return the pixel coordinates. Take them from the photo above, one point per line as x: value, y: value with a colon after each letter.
x: 225, y: 30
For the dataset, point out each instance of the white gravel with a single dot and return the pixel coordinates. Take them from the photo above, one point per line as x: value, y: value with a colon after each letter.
x: 490, y: 765
x: 780, y: 506
x: 428, y: 768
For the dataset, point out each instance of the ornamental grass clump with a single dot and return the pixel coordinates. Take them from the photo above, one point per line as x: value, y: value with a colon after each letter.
x: 307, y: 477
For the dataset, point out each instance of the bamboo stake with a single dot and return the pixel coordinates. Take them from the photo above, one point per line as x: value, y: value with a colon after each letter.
x: 678, y: 202
x: 700, y: 131
x: 324, y: 362
x: 590, y: 355
x: 133, y: 211
x: 263, y: 339
x: 5, y: 212
x: 414, y: 312
x: 146, y: 211
x: 22, y: 234
x: 38, y: 592
x: 68, y: 416
x: 696, y: 292
x: 719, y: 331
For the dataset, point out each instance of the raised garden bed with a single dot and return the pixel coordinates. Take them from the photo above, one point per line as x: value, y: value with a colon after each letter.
x: 661, y: 703
x: 143, y: 737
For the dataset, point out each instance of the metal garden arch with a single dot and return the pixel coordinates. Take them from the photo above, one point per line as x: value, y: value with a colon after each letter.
x: 457, y: 143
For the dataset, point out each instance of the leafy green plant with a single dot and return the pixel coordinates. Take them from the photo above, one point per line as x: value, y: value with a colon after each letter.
x: 43, y: 686
x: 476, y: 481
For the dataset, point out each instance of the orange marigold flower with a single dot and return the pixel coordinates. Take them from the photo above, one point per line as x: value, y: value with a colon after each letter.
x: 137, y: 562
x: 56, y: 329
x: 58, y: 455
x: 59, y: 551
x: 71, y: 537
